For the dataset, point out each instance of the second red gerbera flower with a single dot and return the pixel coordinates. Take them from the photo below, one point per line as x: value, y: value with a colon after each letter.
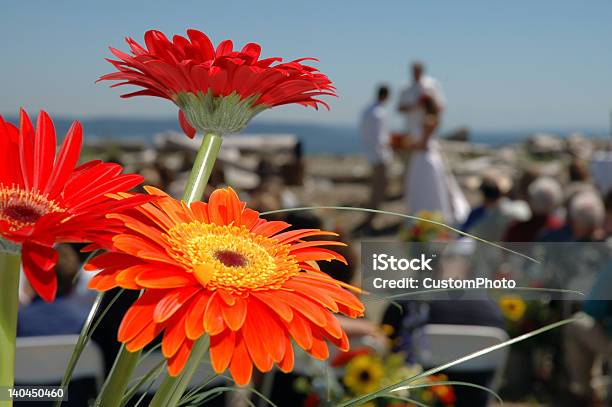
x: 44, y: 199
x: 217, y: 90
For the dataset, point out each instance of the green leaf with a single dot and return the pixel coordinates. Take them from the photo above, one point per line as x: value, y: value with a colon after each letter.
x: 401, y: 215
x: 408, y: 399
x: 439, y: 290
x: 450, y: 383
x: 151, y: 376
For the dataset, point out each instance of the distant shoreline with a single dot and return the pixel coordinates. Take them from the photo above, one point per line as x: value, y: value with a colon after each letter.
x: 316, y: 138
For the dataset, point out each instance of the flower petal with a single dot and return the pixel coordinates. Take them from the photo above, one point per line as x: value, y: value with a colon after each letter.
x: 213, y: 318
x: 221, y: 350
x: 234, y: 315
x: 172, y: 302
x: 241, y: 365
x: 177, y: 362
x: 194, y: 324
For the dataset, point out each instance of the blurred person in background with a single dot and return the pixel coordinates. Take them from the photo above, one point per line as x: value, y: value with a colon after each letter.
x: 567, y: 263
x: 375, y: 138
x: 519, y: 191
x: 578, y: 179
x: 491, y: 218
x: 63, y: 316
x: 544, y: 198
x: 422, y: 97
x: 587, y: 339
x: 586, y: 215
x: 584, y: 220
x: 429, y: 186
x: 608, y: 217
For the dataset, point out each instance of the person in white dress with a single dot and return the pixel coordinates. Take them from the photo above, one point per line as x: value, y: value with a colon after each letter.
x: 428, y: 184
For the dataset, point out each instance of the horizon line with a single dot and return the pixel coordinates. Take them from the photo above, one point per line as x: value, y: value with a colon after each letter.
x: 342, y: 125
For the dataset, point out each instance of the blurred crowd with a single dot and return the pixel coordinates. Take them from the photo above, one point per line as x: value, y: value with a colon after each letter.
x: 530, y: 208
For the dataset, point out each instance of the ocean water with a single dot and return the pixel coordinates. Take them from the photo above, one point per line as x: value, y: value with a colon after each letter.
x: 316, y: 138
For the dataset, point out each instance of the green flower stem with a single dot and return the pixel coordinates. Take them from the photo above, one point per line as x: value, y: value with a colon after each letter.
x: 9, y: 305
x: 117, y: 381
x: 200, y: 173
x: 172, y: 388
x: 116, y: 384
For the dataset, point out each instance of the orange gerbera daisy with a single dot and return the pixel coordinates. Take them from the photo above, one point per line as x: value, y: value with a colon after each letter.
x: 220, y: 269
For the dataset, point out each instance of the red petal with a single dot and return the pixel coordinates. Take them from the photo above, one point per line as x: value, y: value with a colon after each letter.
x: 104, y: 280
x: 38, y: 262
x: 234, y: 315
x: 241, y: 365
x: 127, y: 277
x: 310, y: 291
x: 319, y: 348
x: 194, y: 324
x: 275, y: 333
x: 165, y: 278
x: 224, y: 48
x: 286, y: 365
x: 189, y: 130
x: 280, y: 307
x: 144, y: 337
x: 66, y: 160
x: 174, y: 335
x: 172, y: 302
x: 213, y: 318
x: 306, y: 307
x: 252, y: 334
x: 203, y: 43
x: 139, y: 315
x: 110, y: 259
x: 222, y: 349
x: 26, y: 148
x: 300, y: 330
x: 10, y: 170
x: 177, y: 362
x: 270, y: 228
x: 44, y: 151
x: 217, y: 207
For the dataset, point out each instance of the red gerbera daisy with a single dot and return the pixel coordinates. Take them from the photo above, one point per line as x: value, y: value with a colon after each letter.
x: 45, y: 200
x: 218, y: 268
x: 217, y: 90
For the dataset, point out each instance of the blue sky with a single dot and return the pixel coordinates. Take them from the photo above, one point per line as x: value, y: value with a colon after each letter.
x: 504, y: 65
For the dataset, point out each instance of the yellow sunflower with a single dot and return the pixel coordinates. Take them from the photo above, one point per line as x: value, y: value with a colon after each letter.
x: 513, y: 307
x: 364, y: 374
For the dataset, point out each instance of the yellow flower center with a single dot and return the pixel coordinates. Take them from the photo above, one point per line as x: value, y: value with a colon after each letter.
x: 231, y: 257
x: 21, y: 208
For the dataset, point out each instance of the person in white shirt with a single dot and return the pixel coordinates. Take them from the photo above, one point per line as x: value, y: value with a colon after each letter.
x: 375, y: 138
x: 428, y: 185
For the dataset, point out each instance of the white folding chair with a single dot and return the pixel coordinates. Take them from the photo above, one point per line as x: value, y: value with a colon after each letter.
x: 444, y: 343
x: 43, y: 359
